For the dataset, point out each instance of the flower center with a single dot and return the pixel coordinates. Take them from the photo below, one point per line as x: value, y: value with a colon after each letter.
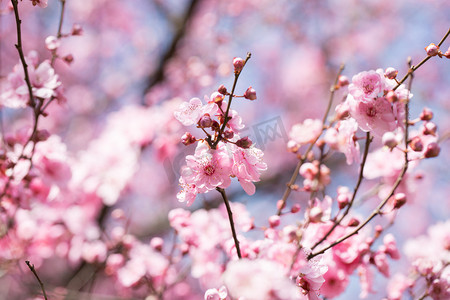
x: 371, y: 111
x: 209, y: 170
x: 368, y: 88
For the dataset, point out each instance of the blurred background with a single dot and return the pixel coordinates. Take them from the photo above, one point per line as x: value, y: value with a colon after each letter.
x: 136, y: 61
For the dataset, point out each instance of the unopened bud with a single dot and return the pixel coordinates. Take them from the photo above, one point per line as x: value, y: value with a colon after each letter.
x: 315, y: 214
x: 342, y: 200
x: 343, y: 81
x: 157, y: 243
x: 390, y: 73
x: 228, y: 134
x: 215, y: 126
x: 274, y: 221
x: 432, y: 49
x: 447, y: 53
x: 353, y: 222
x: 187, y: 139
x: 250, y: 94
x: 426, y: 114
x: 391, y: 96
x: 399, y: 200
x: 295, y: 208
x: 389, y: 140
x: 68, y: 58
x: 245, y: 142
x: 41, y: 135
x: 433, y: 150
x: 416, y: 144
x: 222, y: 89
x: 292, y: 146
x: 238, y: 64
x: 184, y: 248
x: 429, y: 128
x: 77, y: 29
x: 52, y: 43
x: 205, y: 121
x: 281, y: 204
x: 342, y: 111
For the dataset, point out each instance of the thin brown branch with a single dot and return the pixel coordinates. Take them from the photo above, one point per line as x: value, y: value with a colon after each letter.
x: 355, y: 190
x: 37, y: 277
x: 230, y: 217
x: 399, y: 179
x: 294, y: 176
x: 414, y: 68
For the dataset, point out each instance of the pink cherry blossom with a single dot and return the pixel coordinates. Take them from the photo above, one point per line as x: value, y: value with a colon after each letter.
x: 207, y: 169
x: 306, y: 132
x: 341, y: 138
x: 366, y: 86
x: 375, y: 116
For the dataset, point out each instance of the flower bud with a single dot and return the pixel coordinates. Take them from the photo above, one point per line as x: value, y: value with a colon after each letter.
x: 432, y: 49
x: 245, y: 143
x: 399, y: 200
x: 228, y: 134
x: 343, y: 81
x: 68, y: 58
x: 353, y: 222
x: 222, y: 89
x: 238, y: 64
x: 389, y: 140
x: 205, y: 121
x: 447, y: 53
x: 391, y: 96
x: 342, y: 111
x: 77, y: 29
x: 41, y: 135
x: 274, y: 221
x: 292, y: 146
x: 281, y: 204
x: 429, y: 128
x: 416, y: 144
x: 390, y: 73
x: 157, y: 243
x: 187, y: 139
x: 426, y: 114
x: 342, y: 200
x: 215, y: 126
x: 52, y: 43
x: 295, y: 208
x: 250, y: 94
x: 433, y: 150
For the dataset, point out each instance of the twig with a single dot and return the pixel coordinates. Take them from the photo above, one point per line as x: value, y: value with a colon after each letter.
x: 236, y: 77
x: 355, y: 190
x: 230, y: 218
x: 294, y: 176
x: 37, y: 277
x: 377, y: 210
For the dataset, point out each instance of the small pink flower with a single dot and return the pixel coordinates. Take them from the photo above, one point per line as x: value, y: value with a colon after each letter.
x: 306, y: 132
x: 52, y: 42
x: 366, y: 86
x: 432, y: 49
x: 375, y: 116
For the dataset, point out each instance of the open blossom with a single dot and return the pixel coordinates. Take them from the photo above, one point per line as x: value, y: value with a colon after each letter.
x: 375, y: 116
x: 247, y: 166
x: 207, y: 169
x: 306, y: 132
x: 44, y: 81
x: 189, y: 113
x: 366, y: 85
x: 341, y: 138
x: 259, y: 279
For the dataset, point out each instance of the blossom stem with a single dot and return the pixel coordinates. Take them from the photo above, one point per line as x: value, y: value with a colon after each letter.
x: 412, y: 69
x: 226, y: 118
x: 377, y: 210
x: 20, y: 50
x: 294, y: 176
x: 59, y: 34
x: 37, y: 277
x: 230, y: 217
x: 355, y: 190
